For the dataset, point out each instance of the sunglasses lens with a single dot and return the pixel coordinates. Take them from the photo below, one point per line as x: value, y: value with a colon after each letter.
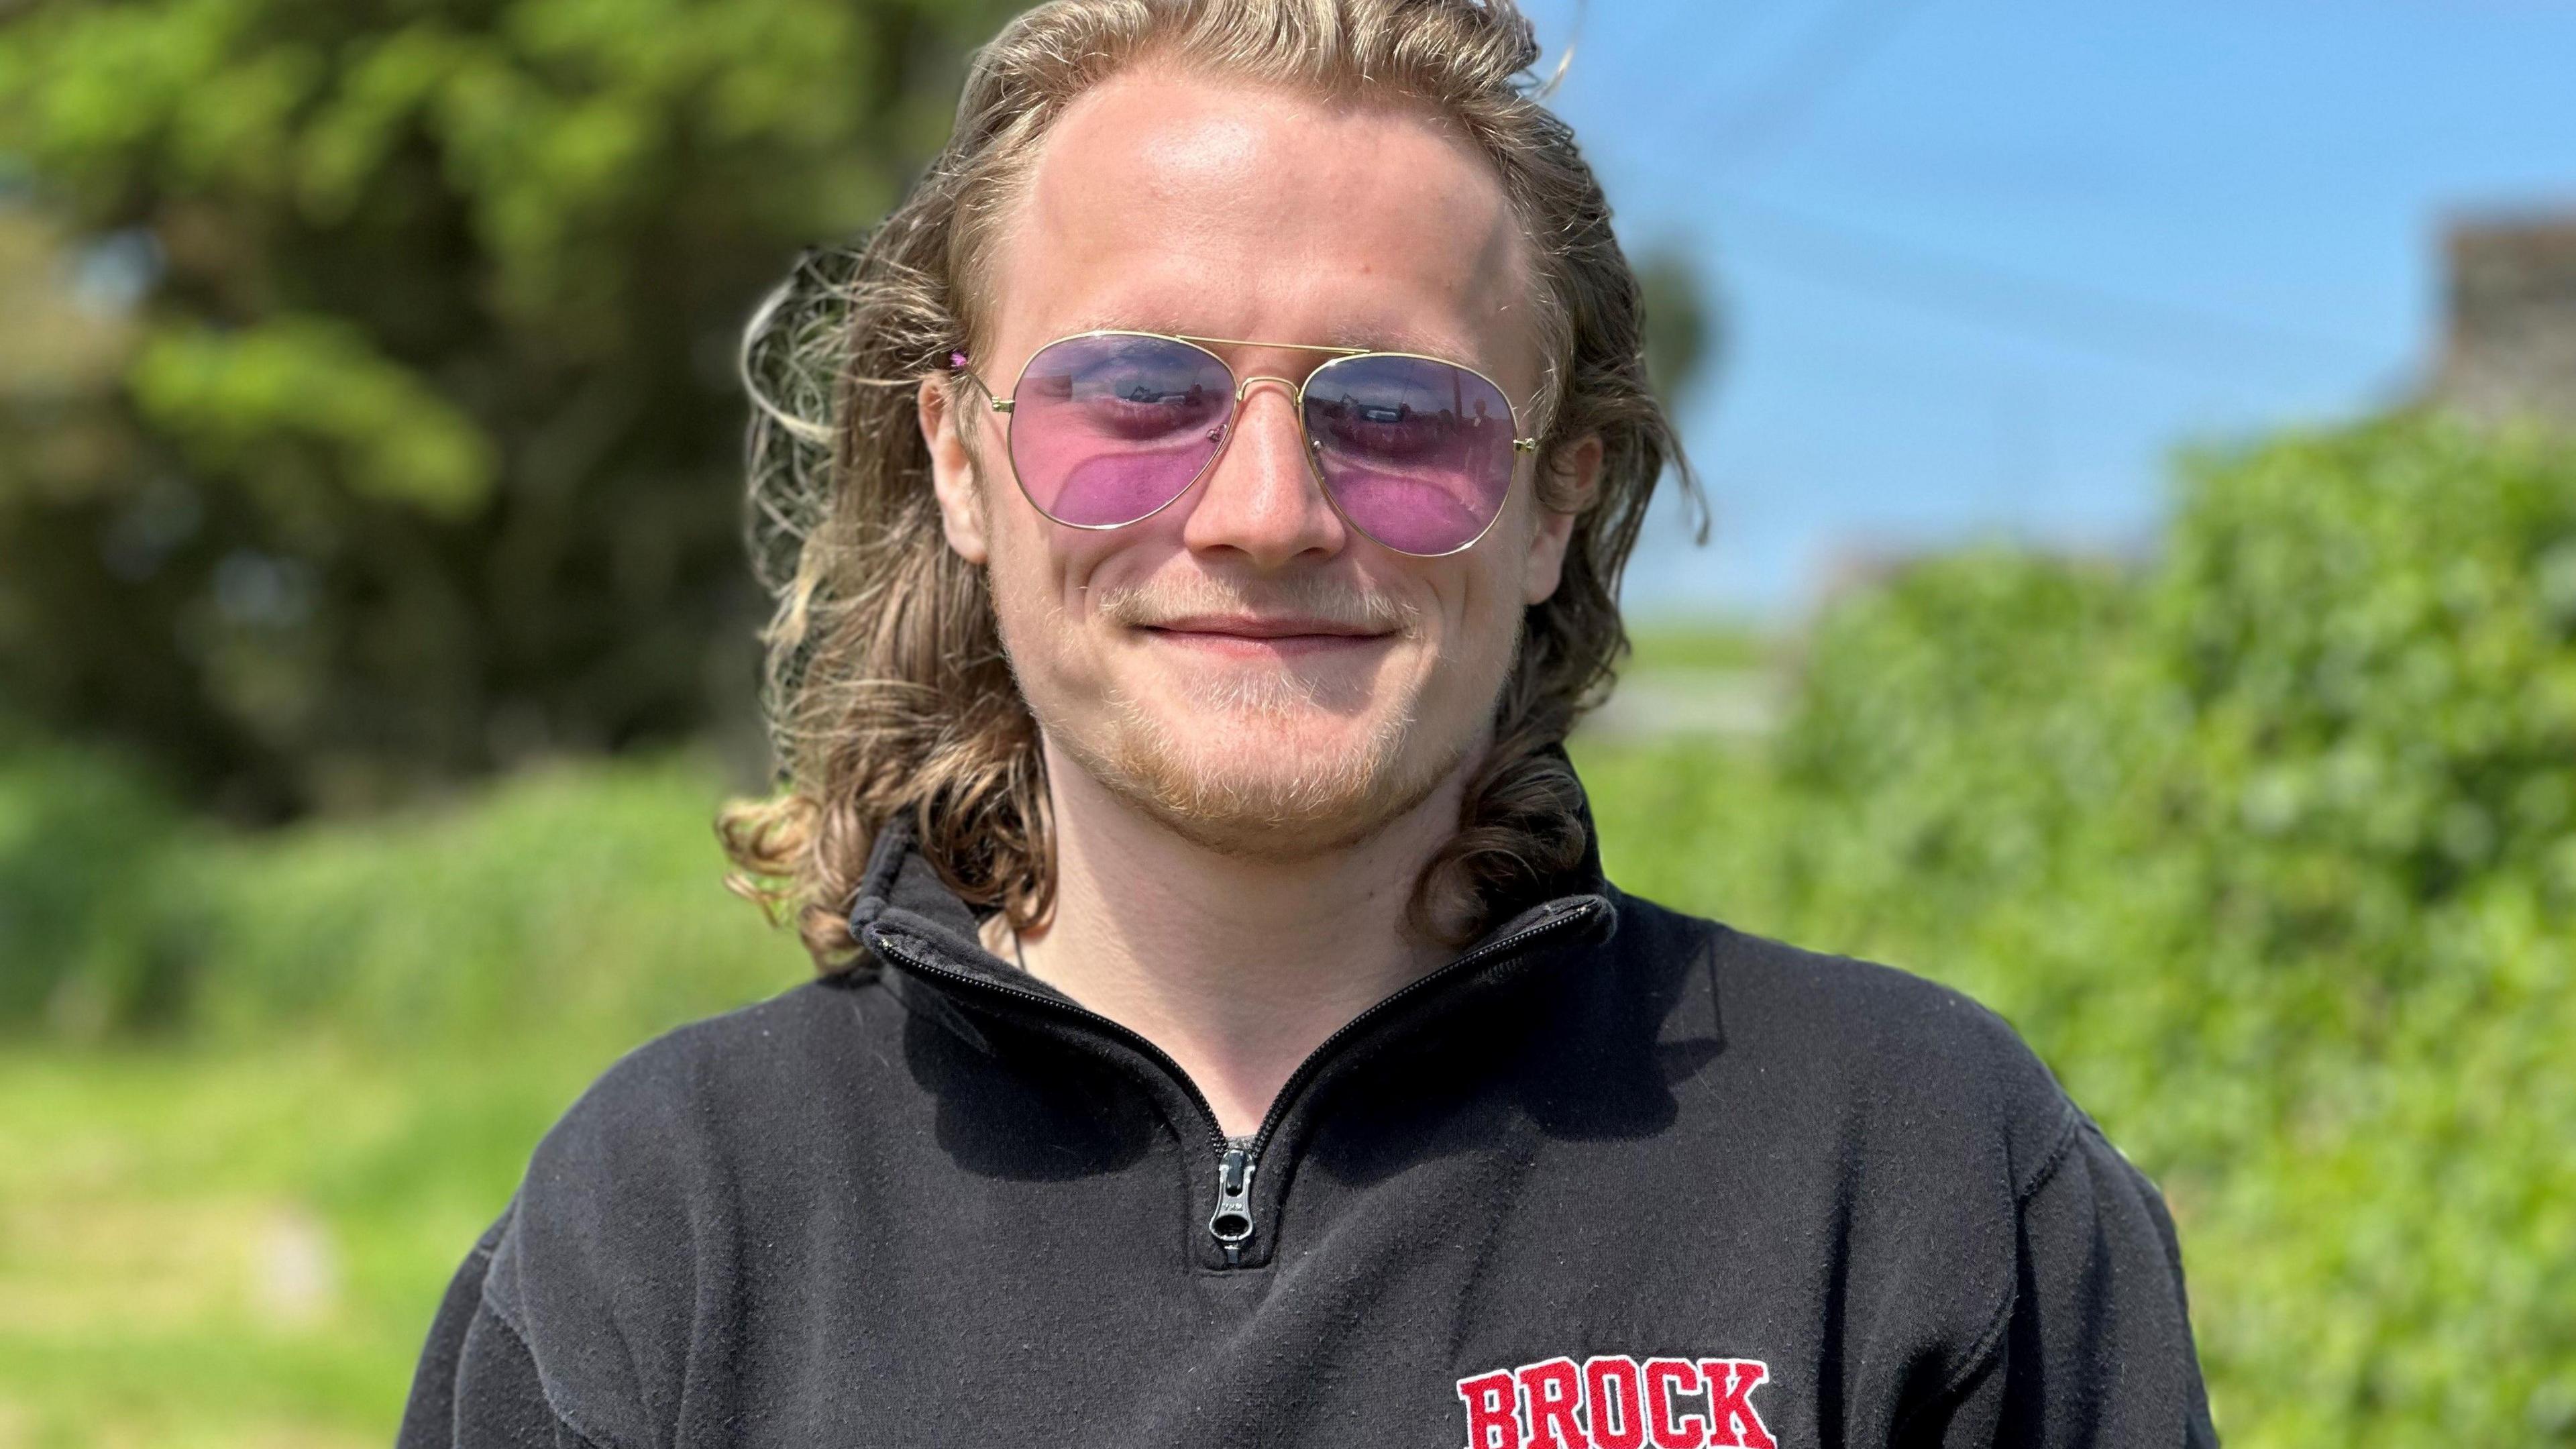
x: 1418, y: 453
x: 1106, y: 429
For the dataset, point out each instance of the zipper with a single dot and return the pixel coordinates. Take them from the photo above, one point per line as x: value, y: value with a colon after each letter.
x: 1231, y: 1225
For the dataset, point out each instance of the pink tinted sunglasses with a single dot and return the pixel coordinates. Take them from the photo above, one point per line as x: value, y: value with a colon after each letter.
x: 1109, y: 428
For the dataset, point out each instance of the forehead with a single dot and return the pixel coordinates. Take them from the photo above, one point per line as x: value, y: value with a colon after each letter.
x: 1176, y: 202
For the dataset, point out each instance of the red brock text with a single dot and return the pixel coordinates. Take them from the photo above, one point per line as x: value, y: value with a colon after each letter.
x: 1617, y: 1402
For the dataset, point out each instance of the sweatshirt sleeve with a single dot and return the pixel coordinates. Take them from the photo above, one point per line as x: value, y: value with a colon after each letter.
x: 477, y: 1387
x: 2095, y: 1347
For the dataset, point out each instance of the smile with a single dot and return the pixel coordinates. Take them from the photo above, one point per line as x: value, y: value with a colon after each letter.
x: 1267, y: 638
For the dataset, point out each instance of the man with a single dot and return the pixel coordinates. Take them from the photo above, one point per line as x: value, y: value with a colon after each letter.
x: 1226, y: 1035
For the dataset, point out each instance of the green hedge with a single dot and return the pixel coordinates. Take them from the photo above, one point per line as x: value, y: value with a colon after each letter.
x: 85, y: 898
x: 579, y: 898
x: 2269, y: 846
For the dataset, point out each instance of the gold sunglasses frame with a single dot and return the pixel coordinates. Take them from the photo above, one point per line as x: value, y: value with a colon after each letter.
x: 1243, y: 386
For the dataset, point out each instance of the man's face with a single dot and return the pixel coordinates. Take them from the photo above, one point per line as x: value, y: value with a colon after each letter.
x: 1243, y: 664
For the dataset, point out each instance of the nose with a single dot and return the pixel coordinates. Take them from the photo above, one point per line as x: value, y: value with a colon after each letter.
x: 1260, y: 499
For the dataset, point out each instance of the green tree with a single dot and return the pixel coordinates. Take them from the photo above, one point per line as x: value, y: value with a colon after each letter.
x: 1685, y: 331
x: 419, y: 450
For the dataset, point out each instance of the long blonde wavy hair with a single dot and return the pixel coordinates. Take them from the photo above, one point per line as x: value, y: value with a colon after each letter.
x: 886, y: 688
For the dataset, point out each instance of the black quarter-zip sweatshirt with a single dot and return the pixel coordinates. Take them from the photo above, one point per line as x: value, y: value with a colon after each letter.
x: 1613, y: 1178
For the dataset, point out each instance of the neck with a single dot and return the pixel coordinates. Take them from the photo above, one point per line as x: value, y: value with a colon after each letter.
x: 1237, y: 967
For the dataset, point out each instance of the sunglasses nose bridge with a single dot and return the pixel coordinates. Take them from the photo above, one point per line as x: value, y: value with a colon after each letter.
x: 1294, y: 393
x: 1289, y: 388
x: 1243, y: 388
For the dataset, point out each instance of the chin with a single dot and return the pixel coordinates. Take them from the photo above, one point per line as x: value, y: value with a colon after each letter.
x: 1265, y: 772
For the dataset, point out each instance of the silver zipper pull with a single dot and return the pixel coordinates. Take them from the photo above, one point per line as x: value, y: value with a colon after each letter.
x: 1231, y: 1225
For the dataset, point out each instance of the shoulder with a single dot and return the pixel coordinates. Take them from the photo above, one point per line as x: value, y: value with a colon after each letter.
x: 1976, y: 1208
x: 693, y: 1085
x: 707, y: 1100
x: 625, y: 1231
x: 1880, y: 1052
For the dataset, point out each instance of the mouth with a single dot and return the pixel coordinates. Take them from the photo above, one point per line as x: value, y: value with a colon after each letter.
x: 1267, y: 637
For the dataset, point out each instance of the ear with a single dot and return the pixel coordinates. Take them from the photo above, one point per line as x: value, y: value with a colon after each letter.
x: 1578, y: 466
x: 952, y: 470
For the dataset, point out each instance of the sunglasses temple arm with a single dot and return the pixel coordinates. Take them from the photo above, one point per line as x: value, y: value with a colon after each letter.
x: 957, y: 364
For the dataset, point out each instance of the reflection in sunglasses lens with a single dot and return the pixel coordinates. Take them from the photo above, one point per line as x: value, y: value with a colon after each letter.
x: 1106, y: 429
x: 1417, y: 452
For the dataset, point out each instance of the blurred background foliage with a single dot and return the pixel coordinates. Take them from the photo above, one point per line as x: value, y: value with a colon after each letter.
x: 407, y: 446
x: 367, y: 428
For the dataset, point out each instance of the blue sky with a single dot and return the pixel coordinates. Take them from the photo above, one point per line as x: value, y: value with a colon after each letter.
x: 1987, y: 263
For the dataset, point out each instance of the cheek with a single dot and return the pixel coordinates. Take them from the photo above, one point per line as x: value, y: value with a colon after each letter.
x: 1059, y: 569
x: 1479, y: 622
x: 1040, y: 577
x: 1028, y: 602
x: 1498, y: 585
x: 1495, y: 617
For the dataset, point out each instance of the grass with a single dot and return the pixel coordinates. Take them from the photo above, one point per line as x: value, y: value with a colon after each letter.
x: 236, y: 1235
x: 241, y: 1246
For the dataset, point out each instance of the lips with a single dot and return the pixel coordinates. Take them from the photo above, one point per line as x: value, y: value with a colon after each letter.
x: 1252, y: 637
x: 1264, y: 627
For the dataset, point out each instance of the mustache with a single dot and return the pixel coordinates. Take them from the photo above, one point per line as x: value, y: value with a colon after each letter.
x: 1333, y: 602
